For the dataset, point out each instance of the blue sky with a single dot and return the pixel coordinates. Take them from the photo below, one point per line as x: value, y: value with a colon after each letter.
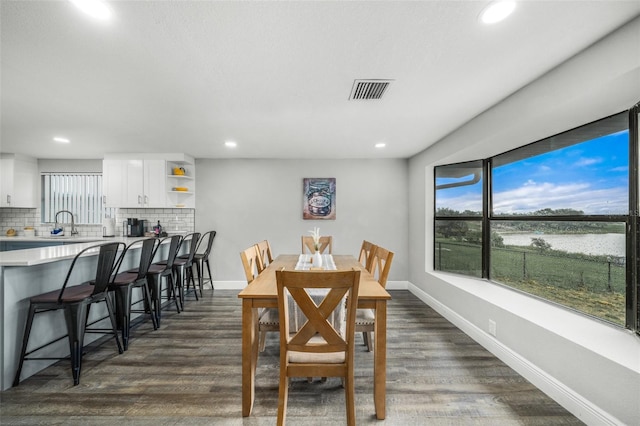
x: 591, y: 176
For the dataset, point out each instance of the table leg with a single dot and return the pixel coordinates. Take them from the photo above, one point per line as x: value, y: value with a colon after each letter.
x: 380, y: 359
x: 249, y: 355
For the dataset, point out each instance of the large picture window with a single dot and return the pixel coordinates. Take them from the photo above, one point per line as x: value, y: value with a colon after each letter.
x: 554, y: 219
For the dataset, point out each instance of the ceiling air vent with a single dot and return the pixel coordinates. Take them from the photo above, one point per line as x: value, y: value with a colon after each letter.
x: 368, y: 89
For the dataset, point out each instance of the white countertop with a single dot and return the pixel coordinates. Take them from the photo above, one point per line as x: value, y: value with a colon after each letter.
x: 38, y: 256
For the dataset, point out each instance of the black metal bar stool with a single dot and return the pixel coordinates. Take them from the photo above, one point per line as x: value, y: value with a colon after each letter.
x: 124, y: 283
x: 75, y: 301
x: 163, y: 269
x: 200, y: 259
x: 183, y: 266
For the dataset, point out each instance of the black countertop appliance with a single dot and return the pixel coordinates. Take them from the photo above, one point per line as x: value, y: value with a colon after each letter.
x: 134, y: 227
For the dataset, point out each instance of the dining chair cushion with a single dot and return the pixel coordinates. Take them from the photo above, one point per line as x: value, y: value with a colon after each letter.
x: 296, y: 357
x: 269, y: 316
x: 365, y: 317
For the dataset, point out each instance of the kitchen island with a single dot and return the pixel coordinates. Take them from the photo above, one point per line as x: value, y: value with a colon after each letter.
x: 26, y: 273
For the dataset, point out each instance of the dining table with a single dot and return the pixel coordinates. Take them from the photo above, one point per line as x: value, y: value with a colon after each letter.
x: 262, y: 293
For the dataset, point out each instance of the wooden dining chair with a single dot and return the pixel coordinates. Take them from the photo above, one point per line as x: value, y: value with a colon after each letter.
x: 365, y: 318
x: 366, y: 254
x: 267, y: 317
x: 264, y: 255
x: 308, y: 245
x: 318, y: 348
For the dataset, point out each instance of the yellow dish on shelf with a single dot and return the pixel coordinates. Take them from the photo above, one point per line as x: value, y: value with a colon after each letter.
x: 181, y: 188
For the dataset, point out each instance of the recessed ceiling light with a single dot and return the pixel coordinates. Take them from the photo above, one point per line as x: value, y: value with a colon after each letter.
x: 230, y: 144
x: 381, y: 145
x: 95, y: 8
x: 61, y: 140
x: 497, y: 11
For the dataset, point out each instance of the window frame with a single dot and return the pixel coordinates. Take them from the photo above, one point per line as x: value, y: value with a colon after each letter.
x: 79, y: 199
x: 631, y: 220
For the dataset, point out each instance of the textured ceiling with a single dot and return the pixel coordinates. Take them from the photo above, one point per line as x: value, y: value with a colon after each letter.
x: 275, y: 77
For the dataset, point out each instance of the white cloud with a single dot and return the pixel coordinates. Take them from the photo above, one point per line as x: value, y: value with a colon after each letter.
x: 578, y: 196
x: 532, y: 196
x: 587, y: 162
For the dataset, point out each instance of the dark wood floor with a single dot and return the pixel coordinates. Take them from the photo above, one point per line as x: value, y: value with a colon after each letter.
x: 188, y: 373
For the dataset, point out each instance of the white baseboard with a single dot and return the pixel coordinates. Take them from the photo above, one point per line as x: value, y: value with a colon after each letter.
x: 229, y: 285
x: 397, y: 285
x: 558, y: 391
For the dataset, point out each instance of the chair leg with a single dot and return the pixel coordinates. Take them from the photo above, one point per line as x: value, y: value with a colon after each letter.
x: 153, y: 280
x: 76, y: 318
x: 123, y: 312
x: 199, y: 271
x: 146, y: 293
x: 350, y: 399
x: 171, y: 291
x: 191, y: 278
x: 114, y: 325
x: 206, y: 261
x: 178, y: 289
x: 262, y: 340
x: 25, y: 341
x: 283, y: 396
x: 368, y: 340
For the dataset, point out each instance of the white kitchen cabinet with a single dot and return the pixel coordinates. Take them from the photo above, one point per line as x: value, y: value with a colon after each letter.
x: 113, y: 182
x: 19, y: 181
x: 134, y: 183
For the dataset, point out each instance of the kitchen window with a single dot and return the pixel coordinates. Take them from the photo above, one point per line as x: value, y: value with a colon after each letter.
x: 79, y: 193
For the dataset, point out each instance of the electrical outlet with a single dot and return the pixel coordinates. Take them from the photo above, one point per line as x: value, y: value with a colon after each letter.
x: 492, y: 328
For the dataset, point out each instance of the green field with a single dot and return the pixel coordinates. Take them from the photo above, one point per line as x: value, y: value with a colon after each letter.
x: 590, y: 285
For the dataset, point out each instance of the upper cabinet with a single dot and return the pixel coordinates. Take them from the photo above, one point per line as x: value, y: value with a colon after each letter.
x: 19, y: 181
x: 146, y: 180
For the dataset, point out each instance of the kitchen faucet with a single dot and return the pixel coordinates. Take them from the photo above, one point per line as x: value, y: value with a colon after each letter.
x: 73, y: 224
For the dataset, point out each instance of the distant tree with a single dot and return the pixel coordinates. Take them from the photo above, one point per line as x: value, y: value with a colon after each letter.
x: 497, y: 240
x: 558, y: 212
x: 446, y: 211
x: 540, y: 244
x: 452, y: 228
x: 474, y: 237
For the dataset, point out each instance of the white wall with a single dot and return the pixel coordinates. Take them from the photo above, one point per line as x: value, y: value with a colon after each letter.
x: 591, y: 368
x: 247, y: 201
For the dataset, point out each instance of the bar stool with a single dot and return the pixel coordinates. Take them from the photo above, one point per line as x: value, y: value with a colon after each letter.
x: 202, y: 258
x: 124, y: 283
x: 163, y: 269
x: 76, y: 301
x: 183, y: 267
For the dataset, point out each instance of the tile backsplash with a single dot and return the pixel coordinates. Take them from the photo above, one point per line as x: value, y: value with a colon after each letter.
x: 172, y: 220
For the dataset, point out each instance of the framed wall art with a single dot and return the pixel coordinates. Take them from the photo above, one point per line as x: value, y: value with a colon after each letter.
x: 319, y: 196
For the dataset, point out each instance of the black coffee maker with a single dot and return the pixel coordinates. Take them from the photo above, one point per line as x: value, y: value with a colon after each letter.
x: 134, y: 227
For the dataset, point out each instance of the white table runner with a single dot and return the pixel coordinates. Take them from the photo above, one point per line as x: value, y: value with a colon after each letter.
x: 296, y: 317
x: 304, y: 262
